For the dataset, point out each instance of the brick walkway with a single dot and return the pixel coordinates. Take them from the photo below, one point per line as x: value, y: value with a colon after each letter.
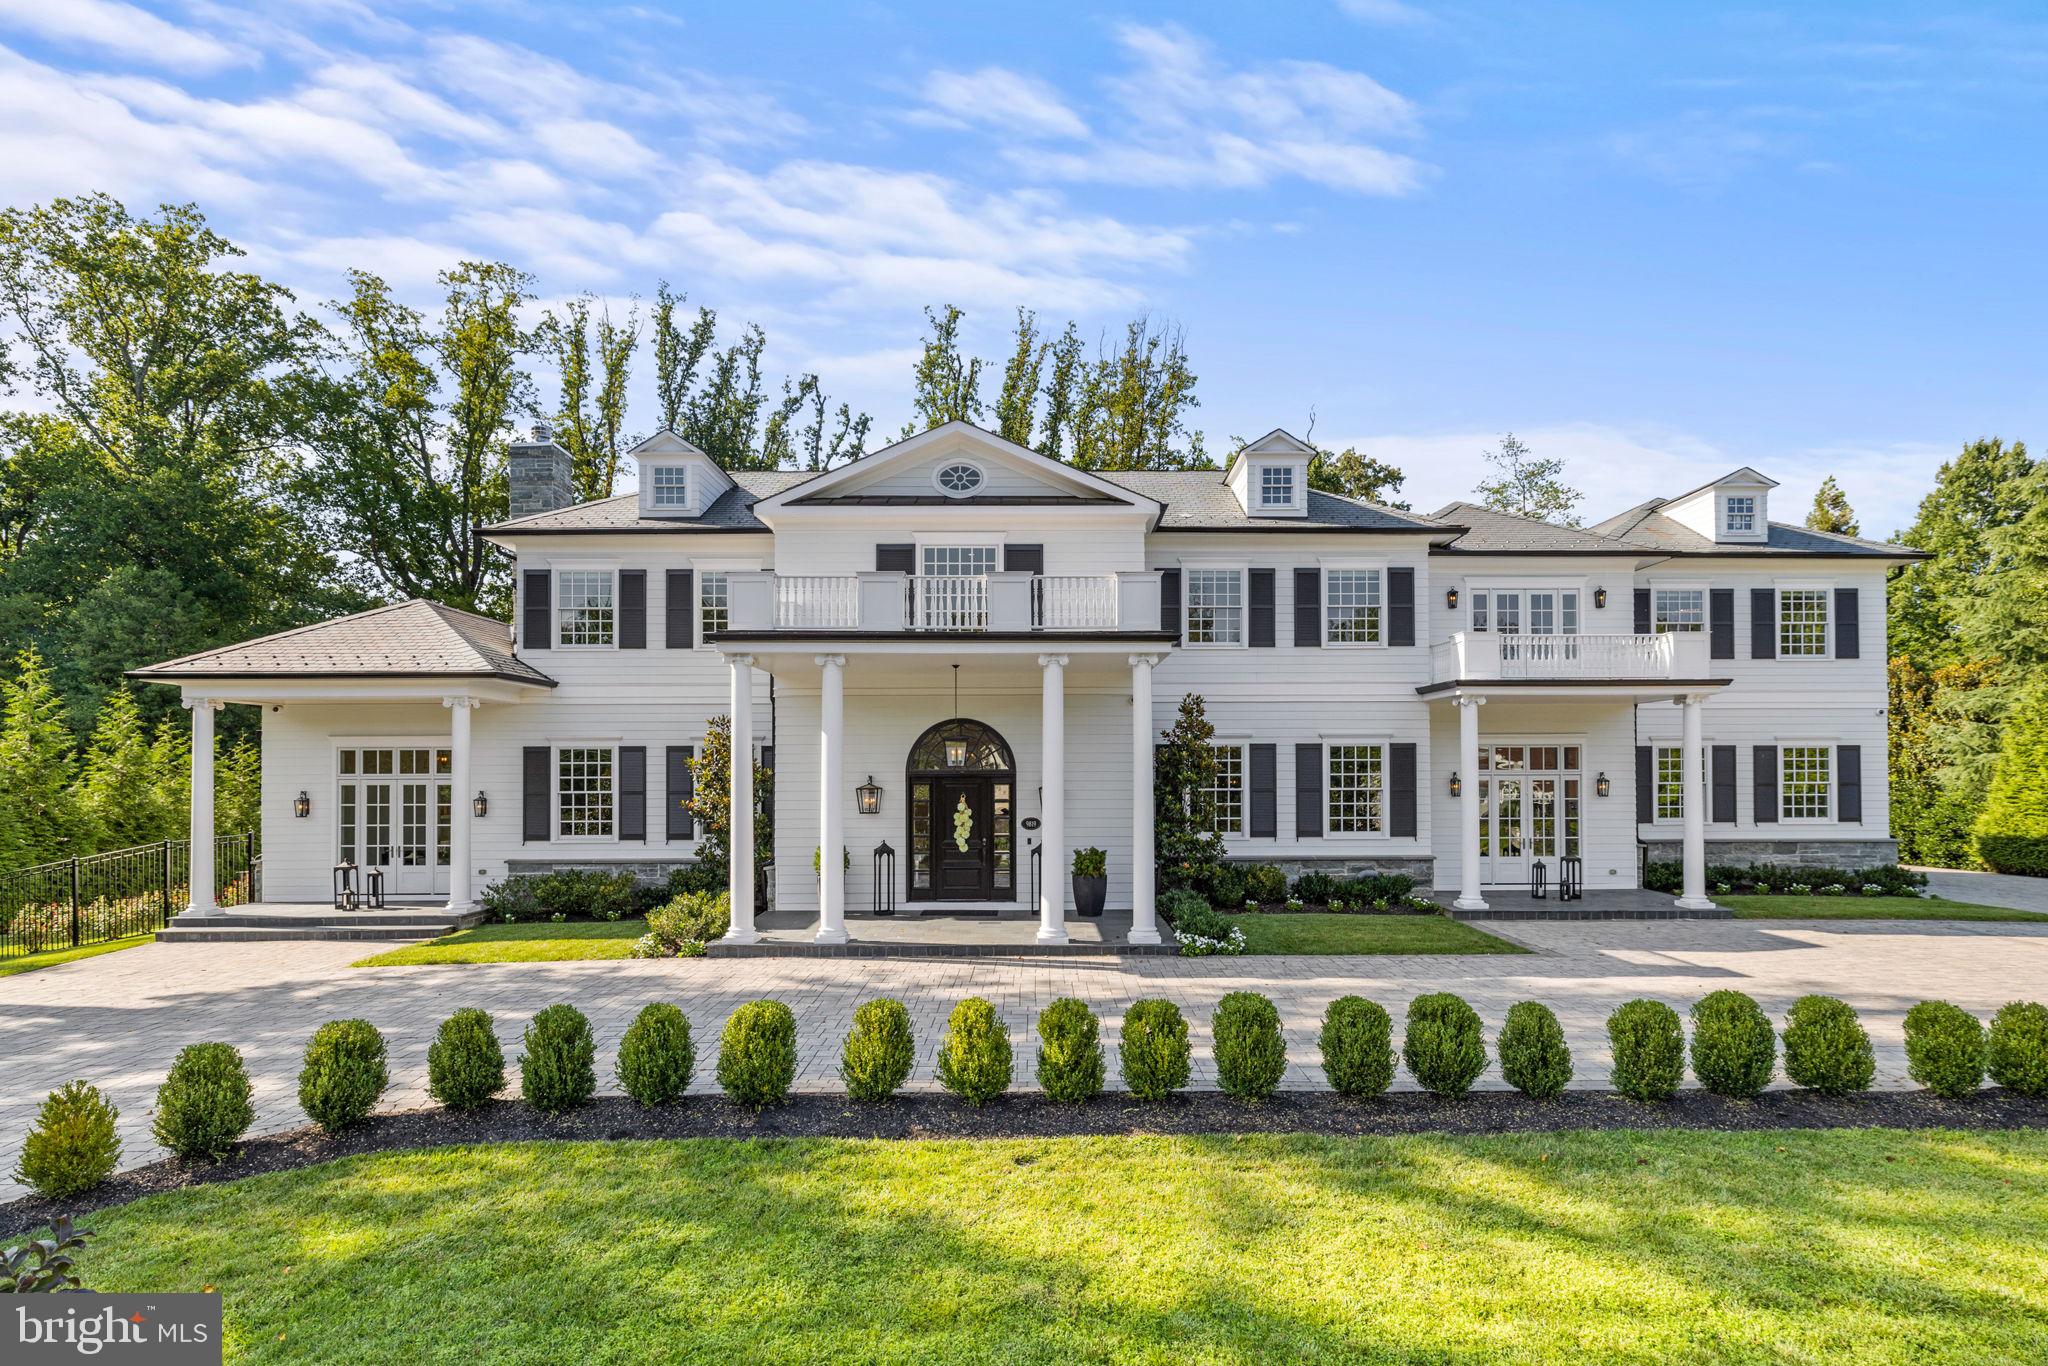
x: 120, y: 1019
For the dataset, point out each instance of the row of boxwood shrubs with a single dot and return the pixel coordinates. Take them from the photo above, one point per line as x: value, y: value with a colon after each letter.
x: 203, y: 1108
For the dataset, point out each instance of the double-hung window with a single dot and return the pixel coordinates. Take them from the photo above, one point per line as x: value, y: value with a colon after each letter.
x: 584, y: 792
x: 1227, y: 792
x: 671, y: 486
x: 1670, y: 778
x: 1357, y: 789
x: 1806, y: 782
x: 1276, y: 486
x: 585, y: 613
x: 1803, y: 623
x: 952, y: 592
x: 1680, y: 609
x: 1215, y: 606
x: 1351, y: 606
x: 1741, y: 514
x: 713, y: 602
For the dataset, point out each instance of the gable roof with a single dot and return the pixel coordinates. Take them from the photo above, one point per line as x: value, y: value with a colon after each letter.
x: 1644, y: 530
x: 1089, y: 486
x: 732, y: 511
x: 1199, y: 500
x: 411, y: 639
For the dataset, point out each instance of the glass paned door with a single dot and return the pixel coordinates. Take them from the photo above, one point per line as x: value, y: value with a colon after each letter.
x: 1529, y: 809
x: 394, y: 816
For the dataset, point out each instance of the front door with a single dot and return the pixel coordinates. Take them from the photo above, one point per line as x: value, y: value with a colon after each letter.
x: 961, y: 831
x: 394, y: 805
x: 1529, y: 809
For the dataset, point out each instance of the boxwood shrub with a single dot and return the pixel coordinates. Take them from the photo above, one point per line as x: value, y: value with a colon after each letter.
x: 757, y: 1054
x: 202, y: 1109
x: 974, y: 1057
x: 558, y: 1070
x: 1734, y: 1048
x: 1069, y: 1051
x: 1443, y: 1045
x: 657, y: 1057
x: 1762, y: 878
x: 1357, y: 1042
x: 1534, y: 1058
x: 691, y: 918
x: 876, y: 1059
x: 573, y: 893
x: 72, y: 1146
x: 344, y: 1074
x: 1179, y: 903
x: 1826, y: 1047
x: 1649, y: 1050
x: 2017, y: 1056
x: 1251, y: 1056
x: 465, y: 1065
x: 1944, y: 1048
x: 1153, y: 1050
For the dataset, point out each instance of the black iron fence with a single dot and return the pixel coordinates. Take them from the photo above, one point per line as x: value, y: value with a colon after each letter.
x: 102, y: 897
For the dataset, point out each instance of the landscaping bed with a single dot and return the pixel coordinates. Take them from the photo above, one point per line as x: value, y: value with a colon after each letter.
x: 1371, y: 933
x: 1024, y: 1114
x: 541, y: 942
x: 1868, y: 908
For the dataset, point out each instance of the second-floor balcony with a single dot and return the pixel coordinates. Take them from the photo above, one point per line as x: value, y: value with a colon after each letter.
x: 1491, y: 656
x: 889, y: 602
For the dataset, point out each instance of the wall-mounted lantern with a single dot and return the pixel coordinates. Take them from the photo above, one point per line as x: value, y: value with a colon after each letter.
x: 1457, y: 784
x: 1600, y: 785
x: 1600, y: 597
x: 302, y: 806
x: 481, y: 805
x: 1451, y: 598
x: 870, y: 797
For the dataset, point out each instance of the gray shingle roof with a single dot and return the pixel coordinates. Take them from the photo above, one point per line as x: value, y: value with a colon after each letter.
x: 406, y: 639
x: 1503, y: 532
x: 1199, y: 500
x: 1652, y: 528
x: 1643, y: 530
x: 734, y: 510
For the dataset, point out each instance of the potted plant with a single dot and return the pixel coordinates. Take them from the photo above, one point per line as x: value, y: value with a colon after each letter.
x: 818, y: 863
x: 1091, y: 880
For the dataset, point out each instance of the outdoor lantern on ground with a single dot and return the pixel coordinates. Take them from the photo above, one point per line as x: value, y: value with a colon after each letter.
x: 870, y: 797
x: 885, y: 879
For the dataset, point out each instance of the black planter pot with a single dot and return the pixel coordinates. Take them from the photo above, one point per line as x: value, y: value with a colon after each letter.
x: 1090, y: 893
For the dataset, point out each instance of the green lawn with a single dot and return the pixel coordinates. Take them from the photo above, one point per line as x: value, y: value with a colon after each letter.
x: 1318, y: 932
x: 1866, y: 908
x: 1874, y: 1246
x: 544, y: 942
x: 30, y: 962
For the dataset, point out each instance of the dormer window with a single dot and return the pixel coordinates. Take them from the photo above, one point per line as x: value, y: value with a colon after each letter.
x: 671, y: 490
x: 958, y: 478
x: 1276, y: 486
x: 1741, y: 514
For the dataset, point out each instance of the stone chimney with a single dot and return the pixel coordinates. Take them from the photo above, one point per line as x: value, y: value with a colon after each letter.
x: 538, y: 474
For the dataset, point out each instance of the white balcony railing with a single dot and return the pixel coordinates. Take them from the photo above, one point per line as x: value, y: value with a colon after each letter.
x: 1479, y: 656
x: 1074, y: 602
x: 883, y: 602
x: 817, y: 601
x: 947, y: 602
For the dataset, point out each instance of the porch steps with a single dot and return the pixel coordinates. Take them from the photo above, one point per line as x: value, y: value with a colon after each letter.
x: 769, y: 948
x: 1581, y: 911
x: 249, y: 924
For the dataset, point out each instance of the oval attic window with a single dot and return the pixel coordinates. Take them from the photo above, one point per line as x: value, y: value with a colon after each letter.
x: 958, y: 479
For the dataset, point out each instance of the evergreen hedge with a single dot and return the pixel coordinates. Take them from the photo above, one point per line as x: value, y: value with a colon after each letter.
x: 1649, y: 1050
x: 72, y: 1147
x: 1944, y: 1048
x: 202, y: 1109
x: 1357, y: 1043
x: 1827, y: 1048
x: 757, y: 1054
x: 2017, y: 1054
x: 465, y: 1064
x: 344, y: 1073
x: 657, y: 1057
x: 879, y: 1049
x: 2012, y: 827
x: 1734, y: 1048
x: 1153, y: 1051
x: 1443, y: 1045
x: 1070, y: 1064
x: 1534, y: 1057
x: 1251, y: 1056
x: 558, y: 1070
x: 974, y: 1057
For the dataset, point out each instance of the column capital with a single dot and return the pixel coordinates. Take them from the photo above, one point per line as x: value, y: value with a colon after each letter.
x: 1692, y: 699
x: 829, y: 661
x: 210, y: 703
x: 1142, y: 661
x: 467, y: 703
x: 1047, y: 661
x: 1471, y: 701
x: 747, y: 660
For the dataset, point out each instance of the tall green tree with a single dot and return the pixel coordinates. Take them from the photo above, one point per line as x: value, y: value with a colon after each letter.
x: 37, y: 768
x: 1831, y: 510
x: 119, y: 792
x: 1017, y: 404
x: 946, y: 384
x: 1065, y: 361
x: 1354, y: 474
x: 1527, y: 486
x: 1987, y: 486
x: 238, y: 788
x: 798, y: 435
x: 678, y: 351
x: 2012, y: 829
x: 1134, y: 405
x: 594, y: 358
x: 1184, y: 789
x: 711, y: 802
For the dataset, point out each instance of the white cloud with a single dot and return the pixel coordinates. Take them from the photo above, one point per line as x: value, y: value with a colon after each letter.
x: 1006, y: 100
x: 120, y: 29
x: 1383, y: 12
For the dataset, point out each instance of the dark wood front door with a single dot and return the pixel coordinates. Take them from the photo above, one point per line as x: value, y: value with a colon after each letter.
x: 961, y: 826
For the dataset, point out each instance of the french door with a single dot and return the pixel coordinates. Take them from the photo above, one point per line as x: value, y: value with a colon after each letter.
x: 1529, y: 809
x: 394, y: 805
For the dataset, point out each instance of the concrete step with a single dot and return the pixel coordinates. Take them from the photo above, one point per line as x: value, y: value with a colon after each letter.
x: 245, y: 919
x: 250, y: 934
x: 1571, y: 911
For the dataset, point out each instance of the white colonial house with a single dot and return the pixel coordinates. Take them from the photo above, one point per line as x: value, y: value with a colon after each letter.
x: 965, y: 651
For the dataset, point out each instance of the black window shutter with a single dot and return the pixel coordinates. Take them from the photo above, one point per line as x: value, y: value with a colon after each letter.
x: 1723, y: 777
x: 1763, y: 623
x: 1169, y: 601
x: 1849, y: 782
x: 632, y: 609
x: 1265, y: 793
x: 681, y: 613
x: 1401, y: 607
x: 1721, y: 623
x: 896, y: 559
x: 1024, y: 559
x: 632, y: 792
x: 534, y: 792
x: 536, y: 623
x: 1764, y: 782
x: 1848, y: 630
x: 1259, y: 597
x: 1401, y: 802
x: 682, y: 787
x: 1644, y: 624
x: 1308, y: 791
x: 1308, y: 608
x: 1646, y: 785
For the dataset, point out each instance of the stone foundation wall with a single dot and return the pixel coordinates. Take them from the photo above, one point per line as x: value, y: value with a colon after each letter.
x: 650, y: 872
x: 1815, y: 853
x: 1422, y: 869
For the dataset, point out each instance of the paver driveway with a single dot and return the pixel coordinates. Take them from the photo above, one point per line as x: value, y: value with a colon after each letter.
x: 119, y: 1020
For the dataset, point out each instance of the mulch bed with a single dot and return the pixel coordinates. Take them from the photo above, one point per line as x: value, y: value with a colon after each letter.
x: 1028, y: 1115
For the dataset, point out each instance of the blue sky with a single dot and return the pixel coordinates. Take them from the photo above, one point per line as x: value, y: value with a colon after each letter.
x: 1658, y: 241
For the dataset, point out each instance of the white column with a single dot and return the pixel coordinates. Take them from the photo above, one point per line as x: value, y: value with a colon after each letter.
x: 1694, y: 897
x: 200, y: 858
x: 1469, y: 898
x: 740, y: 882
x: 1144, y: 926
x: 831, y: 808
x: 459, y: 798
x: 1052, y: 892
